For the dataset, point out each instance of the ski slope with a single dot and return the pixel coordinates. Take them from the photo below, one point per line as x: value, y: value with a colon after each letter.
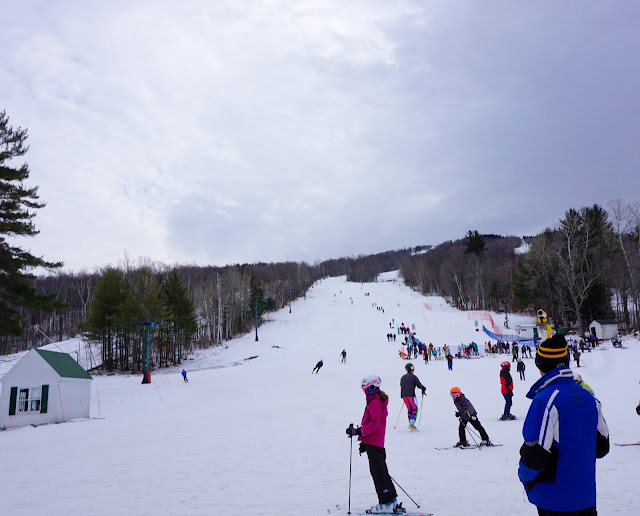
x: 264, y: 436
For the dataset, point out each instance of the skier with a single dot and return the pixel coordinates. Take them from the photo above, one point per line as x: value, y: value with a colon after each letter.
x: 449, y: 361
x: 467, y: 414
x: 558, y: 460
x: 408, y: 384
x: 514, y: 352
x: 577, y: 377
x: 576, y: 357
x: 344, y: 356
x: 316, y: 369
x: 506, y: 388
x: 371, y: 436
x: 184, y: 376
x: 520, y: 368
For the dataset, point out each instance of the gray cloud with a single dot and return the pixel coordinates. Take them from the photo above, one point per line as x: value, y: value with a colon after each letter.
x: 260, y: 131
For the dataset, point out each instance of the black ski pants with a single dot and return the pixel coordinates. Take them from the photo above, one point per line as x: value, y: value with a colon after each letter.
x: 381, y: 478
x: 475, y: 424
x: 591, y: 511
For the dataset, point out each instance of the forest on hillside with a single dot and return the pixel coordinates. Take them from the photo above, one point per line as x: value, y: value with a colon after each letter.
x: 587, y: 267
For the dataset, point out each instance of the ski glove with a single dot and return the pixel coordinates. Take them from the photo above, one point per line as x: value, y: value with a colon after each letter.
x: 638, y: 409
x: 353, y: 431
x: 362, y: 448
x: 424, y: 391
x: 457, y: 414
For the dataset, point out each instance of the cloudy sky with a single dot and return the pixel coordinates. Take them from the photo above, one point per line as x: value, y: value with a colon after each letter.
x: 246, y: 130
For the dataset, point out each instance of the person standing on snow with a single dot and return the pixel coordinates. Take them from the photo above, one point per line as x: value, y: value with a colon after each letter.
x: 467, y: 414
x: 449, y: 361
x: 564, y: 433
x: 408, y: 384
x: 344, y: 356
x: 184, y: 376
x: 506, y: 388
x: 520, y: 368
x: 371, y: 436
x: 316, y: 369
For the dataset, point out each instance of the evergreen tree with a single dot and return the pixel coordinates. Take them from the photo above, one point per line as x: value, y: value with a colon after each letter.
x: 17, y: 203
x: 474, y: 243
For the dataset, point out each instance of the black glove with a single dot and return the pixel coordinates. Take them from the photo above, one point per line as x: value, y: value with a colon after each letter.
x: 638, y: 409
x: 424, y: 391
x: 362, y: 448
x: 351, y: 431
x: 457, y: 414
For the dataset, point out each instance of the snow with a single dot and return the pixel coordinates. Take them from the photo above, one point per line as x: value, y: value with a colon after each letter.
x: 266, y: 437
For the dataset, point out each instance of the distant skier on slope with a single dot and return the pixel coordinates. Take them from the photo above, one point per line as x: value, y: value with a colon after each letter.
x: 371, y: 436
x: 408, y: 384
x: 506, y: 388
x: 467, y: 414
x: 344, y: 356
x: 316, y: 369
x: 520, y: 368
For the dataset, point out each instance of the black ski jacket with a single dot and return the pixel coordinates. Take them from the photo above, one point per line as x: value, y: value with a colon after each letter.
x: 464, y: 406
x: 408, y: 384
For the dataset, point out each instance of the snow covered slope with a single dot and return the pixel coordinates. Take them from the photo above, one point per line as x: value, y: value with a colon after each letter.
x: 263, y: 436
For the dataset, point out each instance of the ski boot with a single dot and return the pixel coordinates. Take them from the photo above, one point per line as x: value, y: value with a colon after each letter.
x: 412, y: 425
x: 384, y: 508
x: 486, y: 442
x: 461, y: 444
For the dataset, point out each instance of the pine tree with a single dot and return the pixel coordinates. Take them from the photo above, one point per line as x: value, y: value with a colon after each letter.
x: 17, y: 202
x: 474, y: 243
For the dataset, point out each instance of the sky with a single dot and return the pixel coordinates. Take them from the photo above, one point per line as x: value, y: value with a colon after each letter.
x: 225, y: 132
x: 265, y: 436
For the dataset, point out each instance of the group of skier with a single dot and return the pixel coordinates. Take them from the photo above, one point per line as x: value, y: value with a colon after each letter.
x: 545, y: 453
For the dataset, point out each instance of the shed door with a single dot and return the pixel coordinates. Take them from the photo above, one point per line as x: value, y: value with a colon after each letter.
x: 12, y: 401
x: 44, y: 400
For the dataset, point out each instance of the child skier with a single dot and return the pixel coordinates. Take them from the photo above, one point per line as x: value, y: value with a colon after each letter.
x: 506, y: 388
x: 449, y: 361
x: 467, y: 414
x: 371, y: 436
x: 184, y: 376
x: 520, y: 368
x: 408, y: 384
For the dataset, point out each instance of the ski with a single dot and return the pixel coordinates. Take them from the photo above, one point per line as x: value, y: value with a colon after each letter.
x: 360, y: 512
x: 627, y: 444
x: 471, y: 446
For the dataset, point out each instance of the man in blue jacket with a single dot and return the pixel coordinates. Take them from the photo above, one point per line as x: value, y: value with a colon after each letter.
x: 564, y: 433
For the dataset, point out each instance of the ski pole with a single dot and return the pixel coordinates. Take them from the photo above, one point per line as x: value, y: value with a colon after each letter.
x: 420, y: 420
x: 394, y: 426
x: 472, y: 437
x: 404, y: 491
x: 350, y: 457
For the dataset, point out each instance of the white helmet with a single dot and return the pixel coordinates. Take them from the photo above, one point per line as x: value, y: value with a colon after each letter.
x: 370, y: 384
x: 577, y: 377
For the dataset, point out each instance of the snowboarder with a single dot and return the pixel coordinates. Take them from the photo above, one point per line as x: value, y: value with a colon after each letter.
x: 371, y: 436
x: 520, y: 368
x: 408, y: 384
x: 344, y: 356
x: 316, y: 369
x: 467, y: 414
x: 555, y: 462
x: 184, y: 376
x: 506, y: 388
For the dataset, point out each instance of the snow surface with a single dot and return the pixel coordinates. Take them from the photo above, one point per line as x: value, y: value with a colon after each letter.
x: 264, y: 436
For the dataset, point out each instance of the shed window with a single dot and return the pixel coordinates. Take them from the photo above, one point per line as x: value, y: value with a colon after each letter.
x: 29, y: 400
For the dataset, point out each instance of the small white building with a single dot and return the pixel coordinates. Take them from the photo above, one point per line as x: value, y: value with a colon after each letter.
x: 528, y: 331
x: 604, y: 328
x: 44, y: 387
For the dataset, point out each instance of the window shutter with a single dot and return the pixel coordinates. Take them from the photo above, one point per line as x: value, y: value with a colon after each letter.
x: 44, y: 398
x: 12, y: 401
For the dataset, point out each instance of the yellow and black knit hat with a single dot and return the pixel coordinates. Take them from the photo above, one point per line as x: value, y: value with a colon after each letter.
x: 552, y: 353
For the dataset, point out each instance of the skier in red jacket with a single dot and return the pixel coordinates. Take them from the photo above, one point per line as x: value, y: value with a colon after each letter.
x: 506, y: 388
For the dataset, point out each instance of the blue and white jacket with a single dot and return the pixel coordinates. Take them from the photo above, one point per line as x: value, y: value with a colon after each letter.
x: 563, y: 434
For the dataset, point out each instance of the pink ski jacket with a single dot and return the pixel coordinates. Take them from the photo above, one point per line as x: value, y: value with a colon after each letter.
x: 374, y: 421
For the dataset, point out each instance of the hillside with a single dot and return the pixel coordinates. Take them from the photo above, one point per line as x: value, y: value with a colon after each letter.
x: 254, y: 432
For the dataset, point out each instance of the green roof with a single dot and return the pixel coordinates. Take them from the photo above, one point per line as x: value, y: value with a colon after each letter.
x: 64, y: 365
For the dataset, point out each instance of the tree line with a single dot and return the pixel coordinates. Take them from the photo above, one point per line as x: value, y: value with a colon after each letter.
x: 586, y: 267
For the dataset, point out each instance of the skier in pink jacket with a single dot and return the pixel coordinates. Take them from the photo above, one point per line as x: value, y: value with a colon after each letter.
x: 371, y: 436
